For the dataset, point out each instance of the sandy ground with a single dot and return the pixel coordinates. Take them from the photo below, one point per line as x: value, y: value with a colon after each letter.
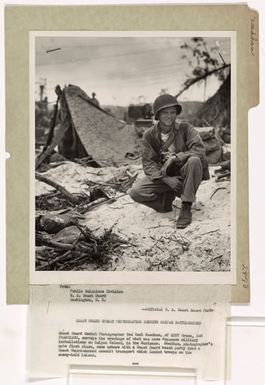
x: 154, y: 242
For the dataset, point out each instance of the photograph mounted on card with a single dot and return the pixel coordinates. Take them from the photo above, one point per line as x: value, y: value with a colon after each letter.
x: 133, y: 157
x: 84, y: 201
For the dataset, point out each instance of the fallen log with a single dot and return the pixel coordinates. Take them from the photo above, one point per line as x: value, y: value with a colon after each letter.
x: 73, y: 199
x: 99, y: 202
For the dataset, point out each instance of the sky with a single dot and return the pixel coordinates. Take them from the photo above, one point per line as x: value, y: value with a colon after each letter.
x: 121, y: 70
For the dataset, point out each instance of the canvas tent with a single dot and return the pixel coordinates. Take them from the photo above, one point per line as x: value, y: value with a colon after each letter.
x: 85, y: 129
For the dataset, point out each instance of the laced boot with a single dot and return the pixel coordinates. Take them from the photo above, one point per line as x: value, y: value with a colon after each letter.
x: 185, y: 215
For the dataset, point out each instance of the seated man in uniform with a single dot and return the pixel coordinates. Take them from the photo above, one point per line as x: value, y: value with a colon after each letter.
x: 174, y: 162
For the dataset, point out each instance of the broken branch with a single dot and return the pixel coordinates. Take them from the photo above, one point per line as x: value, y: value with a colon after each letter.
x: 58, y: 187
x: 215, y: 191
x: 218, y: 256
x: 209, y: 232
x: 199, y: 78
x: 96, y: 203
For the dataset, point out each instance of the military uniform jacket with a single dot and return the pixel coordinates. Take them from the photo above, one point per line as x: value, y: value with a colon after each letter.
x: 187, y: 142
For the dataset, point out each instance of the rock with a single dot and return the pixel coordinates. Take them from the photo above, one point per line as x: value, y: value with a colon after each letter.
x: 52, y: 223
x: 67, y: 235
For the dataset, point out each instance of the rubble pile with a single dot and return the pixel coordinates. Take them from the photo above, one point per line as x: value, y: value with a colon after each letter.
x: 131, y: 236
x: 76, y: 248
x: 62, y: 242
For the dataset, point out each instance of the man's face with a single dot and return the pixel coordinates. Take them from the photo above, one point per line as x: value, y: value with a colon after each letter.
x: 167, y: 118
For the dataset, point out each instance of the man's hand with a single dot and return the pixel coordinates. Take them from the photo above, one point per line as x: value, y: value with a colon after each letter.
x: 174, y: 183
x: 167, y: 154
x: 172, y: 160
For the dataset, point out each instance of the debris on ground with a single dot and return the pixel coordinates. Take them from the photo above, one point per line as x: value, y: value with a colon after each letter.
x: 77, y: 248
x: 109, y: 231
x: 62, y: 241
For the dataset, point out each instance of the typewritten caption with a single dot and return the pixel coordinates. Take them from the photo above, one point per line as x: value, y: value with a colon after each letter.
x: 89, y: 344
x: 138, y: 326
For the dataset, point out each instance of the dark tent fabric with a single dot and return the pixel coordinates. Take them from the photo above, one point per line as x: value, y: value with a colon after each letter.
x: 93, y: 131
x: 69, y: 143
x: 86, y: 130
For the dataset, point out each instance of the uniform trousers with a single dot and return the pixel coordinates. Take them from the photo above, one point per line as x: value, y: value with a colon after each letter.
x: 159, y: 196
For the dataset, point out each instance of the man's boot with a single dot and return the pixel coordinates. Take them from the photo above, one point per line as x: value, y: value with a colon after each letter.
x: 185, y: 215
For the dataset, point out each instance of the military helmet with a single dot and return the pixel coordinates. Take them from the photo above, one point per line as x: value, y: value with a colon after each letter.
x: 164, y: 101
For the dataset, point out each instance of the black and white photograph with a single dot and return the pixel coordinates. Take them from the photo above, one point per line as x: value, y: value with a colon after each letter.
x: 133, y: 157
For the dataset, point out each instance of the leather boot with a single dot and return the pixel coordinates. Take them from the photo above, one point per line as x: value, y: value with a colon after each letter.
x: 185, y: 216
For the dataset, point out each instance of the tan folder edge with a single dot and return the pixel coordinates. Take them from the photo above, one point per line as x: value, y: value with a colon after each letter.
x: 247, y: 97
